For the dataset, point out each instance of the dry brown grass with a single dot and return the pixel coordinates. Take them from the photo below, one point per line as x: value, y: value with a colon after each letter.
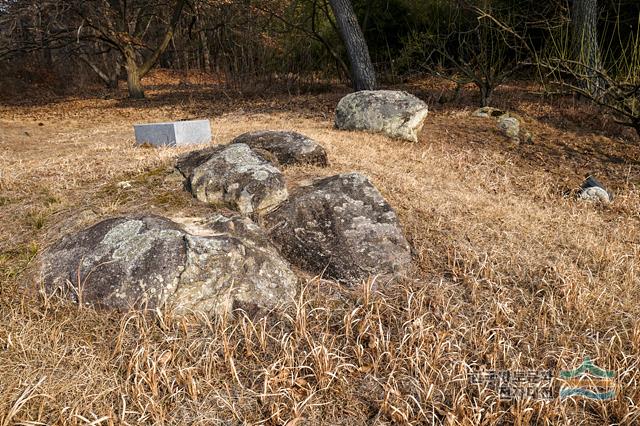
x: 511, y: 274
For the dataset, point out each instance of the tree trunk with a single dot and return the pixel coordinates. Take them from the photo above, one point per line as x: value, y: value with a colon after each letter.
x: 134, y: 71
x: 362, y: 73
x: 133, y: 75
x: 486, y: 91
x: 584, y: 21
x: 168, y: 36
x: 206, y: 58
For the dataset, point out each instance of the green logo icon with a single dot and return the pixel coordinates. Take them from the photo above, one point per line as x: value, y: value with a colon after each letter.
x: 588, y: 381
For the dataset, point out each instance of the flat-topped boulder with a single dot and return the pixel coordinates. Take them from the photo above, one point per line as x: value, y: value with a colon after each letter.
x: 395, y: 113
x: 289, y: 148
x: 174, y: 133
x: 152, y: 262
x: 237, y: 177
x: 340, y: 227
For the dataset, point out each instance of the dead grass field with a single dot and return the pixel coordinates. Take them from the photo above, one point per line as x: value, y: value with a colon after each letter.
x: 511, y: 272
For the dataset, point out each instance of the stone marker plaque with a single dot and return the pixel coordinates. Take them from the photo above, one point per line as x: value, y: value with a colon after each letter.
x: 175, y: 133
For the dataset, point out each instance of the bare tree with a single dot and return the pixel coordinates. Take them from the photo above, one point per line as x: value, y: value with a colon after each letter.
x: 363, y: 74
x: 124, y: 25
x: 103, y: 34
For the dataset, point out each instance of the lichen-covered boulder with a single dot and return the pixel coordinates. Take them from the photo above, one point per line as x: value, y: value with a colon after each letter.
x: 289, y: 148
x: 509, y: 126
x: 231, y: 262
x: 238, y: 177
x: 340, y: 227
x: 118, y: 263
x: 152, y: 262
x: 394, y: 113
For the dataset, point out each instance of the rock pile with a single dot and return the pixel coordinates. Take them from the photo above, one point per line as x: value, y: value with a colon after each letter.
x: 339, y: 226
x: 507, y: 124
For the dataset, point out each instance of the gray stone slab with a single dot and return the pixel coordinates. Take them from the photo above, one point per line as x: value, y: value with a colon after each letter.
x: 175, y: 133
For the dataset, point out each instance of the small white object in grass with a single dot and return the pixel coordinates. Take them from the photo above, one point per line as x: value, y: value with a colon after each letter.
x: 593, y: 190
x: 175, y: 133
x: 125, y: 184
x: 595, y: 193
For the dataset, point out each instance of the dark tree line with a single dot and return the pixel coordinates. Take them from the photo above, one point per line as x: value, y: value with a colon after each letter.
x: 587, y: 46
x: 106, y: 35
x: 132, y: 35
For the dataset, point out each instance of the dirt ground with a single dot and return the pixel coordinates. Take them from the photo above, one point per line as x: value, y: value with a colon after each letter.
x: 511, y: 271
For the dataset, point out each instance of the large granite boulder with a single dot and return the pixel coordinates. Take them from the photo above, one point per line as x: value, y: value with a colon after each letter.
x: 394, y: 113
x: 187, y: 163
x: 340, y: 227
x: 237, y: 177
x: 289, y: 148
x: 118, y: 262
x: 151, y: 262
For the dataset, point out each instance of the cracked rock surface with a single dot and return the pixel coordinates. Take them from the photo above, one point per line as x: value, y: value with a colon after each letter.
x: 136, y: 262
x: 395, y: 113
x: 340, y: 227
